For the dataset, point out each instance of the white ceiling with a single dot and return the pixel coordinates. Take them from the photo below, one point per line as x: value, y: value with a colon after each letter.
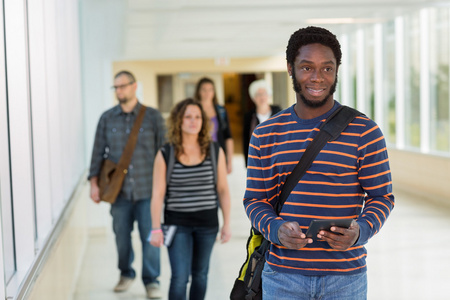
x: 183, y: 29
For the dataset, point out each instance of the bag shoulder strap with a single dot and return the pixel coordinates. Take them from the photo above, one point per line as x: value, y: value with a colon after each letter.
x: 125, y: 158
x: 329, y: 131
x: 214, y: 154
x: 169, y: 156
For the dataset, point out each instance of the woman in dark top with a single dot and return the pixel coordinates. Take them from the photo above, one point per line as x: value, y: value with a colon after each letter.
x: 205, y: 92
x: 260, y: 92
x: 196, y: 188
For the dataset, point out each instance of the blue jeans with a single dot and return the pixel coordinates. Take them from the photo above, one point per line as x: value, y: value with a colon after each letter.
x: 124, y: 213
x: 189, y: 254
x: 288, y: 286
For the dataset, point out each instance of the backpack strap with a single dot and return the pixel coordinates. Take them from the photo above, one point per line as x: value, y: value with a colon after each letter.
x: 168, y: 153
x: 214, y: 154
x: 169, y: 157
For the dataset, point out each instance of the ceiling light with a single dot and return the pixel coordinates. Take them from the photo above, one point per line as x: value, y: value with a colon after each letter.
x: 342, y: 21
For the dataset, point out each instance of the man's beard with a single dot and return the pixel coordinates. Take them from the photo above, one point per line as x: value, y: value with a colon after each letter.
x: 307, y: 102
x: 122, y: 100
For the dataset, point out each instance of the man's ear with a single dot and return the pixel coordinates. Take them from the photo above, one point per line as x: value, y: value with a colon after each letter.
x: 289, y: 69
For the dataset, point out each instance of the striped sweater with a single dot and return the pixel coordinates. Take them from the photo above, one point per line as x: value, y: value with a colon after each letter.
x: 350, y: 177
x: 191, y: 198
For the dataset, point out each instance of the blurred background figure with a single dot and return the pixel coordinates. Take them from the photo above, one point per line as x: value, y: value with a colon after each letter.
x: 260, y: 92
x: 205, y: 92
x: 133, y: 202
x: 190, y: 191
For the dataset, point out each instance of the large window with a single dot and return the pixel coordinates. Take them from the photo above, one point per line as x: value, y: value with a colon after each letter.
x: 7, y: 234
x: 439, y: 68
x: 414, y: 86
x: 369, y: 61
x: 412, y: 76
x: 389, y: 81
x: 41, y: 128
x: 353, y: 49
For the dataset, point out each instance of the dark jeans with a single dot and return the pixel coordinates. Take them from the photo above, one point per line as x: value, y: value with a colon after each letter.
x: 189, y: 254
x: 124, y: 213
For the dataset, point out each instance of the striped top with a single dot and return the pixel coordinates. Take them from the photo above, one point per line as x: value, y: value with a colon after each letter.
x: 350, y: 177
x: 191, y: 197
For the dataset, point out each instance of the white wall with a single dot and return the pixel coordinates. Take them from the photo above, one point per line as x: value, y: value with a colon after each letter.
x: 101, y: 26
x: 421, y: 174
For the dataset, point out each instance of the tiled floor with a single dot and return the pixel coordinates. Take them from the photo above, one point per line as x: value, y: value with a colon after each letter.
x: 409, y: 259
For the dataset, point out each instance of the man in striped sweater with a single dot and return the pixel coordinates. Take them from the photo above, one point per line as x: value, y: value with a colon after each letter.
x: 350, y: 178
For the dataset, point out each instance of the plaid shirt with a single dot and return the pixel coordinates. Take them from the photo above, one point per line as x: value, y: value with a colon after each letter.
x: 111, y: 137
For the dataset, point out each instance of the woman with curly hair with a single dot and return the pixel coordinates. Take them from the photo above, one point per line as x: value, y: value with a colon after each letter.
x: 191, y: 190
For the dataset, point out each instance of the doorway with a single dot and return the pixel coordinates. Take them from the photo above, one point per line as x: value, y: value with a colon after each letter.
x: 238, y: 102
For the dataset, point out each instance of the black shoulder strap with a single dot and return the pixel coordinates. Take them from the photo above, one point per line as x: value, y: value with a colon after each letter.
x: 169, y: 157
x: 329, y: 131
x: 214, y: 154
x: 170, y: 160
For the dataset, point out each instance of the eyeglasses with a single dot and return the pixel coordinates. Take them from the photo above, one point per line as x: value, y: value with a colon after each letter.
x: 116, y: 87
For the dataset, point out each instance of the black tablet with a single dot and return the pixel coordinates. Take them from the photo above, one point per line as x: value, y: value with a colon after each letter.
x: 317, y: 225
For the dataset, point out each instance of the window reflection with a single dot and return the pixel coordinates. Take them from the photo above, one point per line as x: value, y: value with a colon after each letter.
x: 440, y: 51
x: 412, y: 72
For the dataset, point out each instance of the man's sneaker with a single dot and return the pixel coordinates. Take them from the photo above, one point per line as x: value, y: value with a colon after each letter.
x: 153, y: 291
x: 123, y: 284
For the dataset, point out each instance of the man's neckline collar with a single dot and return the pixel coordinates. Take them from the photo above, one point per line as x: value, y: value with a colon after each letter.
x: 316, y: 119
x: 118, y: 109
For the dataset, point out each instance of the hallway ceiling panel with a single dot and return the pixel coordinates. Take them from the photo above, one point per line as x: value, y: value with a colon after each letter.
x: 182, y: 29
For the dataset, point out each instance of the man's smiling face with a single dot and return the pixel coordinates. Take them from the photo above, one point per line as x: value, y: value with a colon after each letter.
x: 314, y: 74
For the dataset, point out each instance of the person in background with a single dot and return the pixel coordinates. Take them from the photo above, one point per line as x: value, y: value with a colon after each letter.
x: 349, y: 178
x: 205, y: 92
x: 260, y: 92
x: 133, y: 201
x: 191, y: 197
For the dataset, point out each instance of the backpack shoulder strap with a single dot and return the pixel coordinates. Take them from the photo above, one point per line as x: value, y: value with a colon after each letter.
x: 168, y: 152
x: 169, y: 157
x: 214, y: 154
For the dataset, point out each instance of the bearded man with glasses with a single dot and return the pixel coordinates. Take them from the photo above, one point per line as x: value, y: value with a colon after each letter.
x: 133, y: 201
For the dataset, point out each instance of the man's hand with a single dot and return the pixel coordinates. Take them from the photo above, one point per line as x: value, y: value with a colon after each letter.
x: 95, y: 190
x: 292, y: 237
x: 342, y: 241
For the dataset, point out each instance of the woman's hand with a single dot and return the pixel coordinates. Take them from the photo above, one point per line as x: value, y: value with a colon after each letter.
x: 157, y: 238
x: 225, y: 234
x: 229, y: 166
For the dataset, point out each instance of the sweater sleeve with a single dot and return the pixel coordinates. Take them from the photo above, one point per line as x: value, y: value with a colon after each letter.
x: 374, y: 176
x: 98, y: 150
x: 259, y: 205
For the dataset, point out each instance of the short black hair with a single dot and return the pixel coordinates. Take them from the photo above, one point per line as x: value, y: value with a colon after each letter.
x: 312, y: 35
x: 129, y: 75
